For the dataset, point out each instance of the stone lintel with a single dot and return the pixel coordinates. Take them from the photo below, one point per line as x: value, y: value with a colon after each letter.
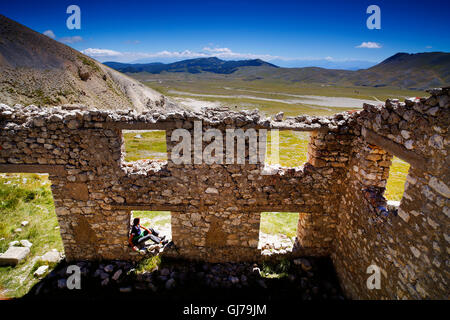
x: 295, y: 127
x: 247, y: 209
x: 396, y: 149
x: 33, y: 168
x: 168, y: 125
x: 140, y: 125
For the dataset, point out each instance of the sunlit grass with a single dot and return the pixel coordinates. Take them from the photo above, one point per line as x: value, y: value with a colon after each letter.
x: 213, y: 84
x: 152, y: 145
x: 158, y: 218
x: 285, y: 223
x: 148, y: 264
x: 275, y: 269
x: 397, y: 178
x: 292, y: 148
x: 26, y: 197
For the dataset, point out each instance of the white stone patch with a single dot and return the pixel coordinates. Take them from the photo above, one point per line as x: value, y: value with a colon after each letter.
x: 51, y: 256
x: 436, y: 141
x: 41, y: 271
x: 415, y: 251
x: 269, y: 170
x: 13, y: 243
x: 432, y: 223
x: 447, y: 237
x: 275, y: 243
x: 410, y: 179
x: 117, y: 274
x: 440, y: 187
x: 405, y: 134
x: 406, y: 195
x: 415, y: 213
x: 212, y: 191
x: 447, y: 212
x: 404, y: 215
x: 409, y: 145
x: 393, y: 203
x: 436, y: 262
x: 433, y: 111
x: 26, y: 243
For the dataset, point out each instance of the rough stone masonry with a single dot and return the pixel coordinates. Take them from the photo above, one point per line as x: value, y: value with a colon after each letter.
x: 216, y: 208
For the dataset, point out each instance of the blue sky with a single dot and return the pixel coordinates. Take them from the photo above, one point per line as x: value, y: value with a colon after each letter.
x: 288, y: 33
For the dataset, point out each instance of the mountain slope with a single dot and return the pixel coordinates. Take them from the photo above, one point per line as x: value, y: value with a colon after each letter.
x: 413, y: 71
x: 35, y: 69
x: 199, y: 65
x: 408, y: 71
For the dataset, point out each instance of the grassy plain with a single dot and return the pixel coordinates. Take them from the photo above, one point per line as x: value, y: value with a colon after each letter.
x: 179, y: 85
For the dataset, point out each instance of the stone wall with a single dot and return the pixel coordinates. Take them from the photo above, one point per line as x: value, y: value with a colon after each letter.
x: 412, y: 247
x: 216, y: 207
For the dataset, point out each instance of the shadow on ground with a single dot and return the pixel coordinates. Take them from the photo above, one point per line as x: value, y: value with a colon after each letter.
x: 186, y: 281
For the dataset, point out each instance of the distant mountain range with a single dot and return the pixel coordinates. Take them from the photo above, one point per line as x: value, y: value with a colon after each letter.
x: 325, y: 63
x: 402, y: 70
x: 198, y: 65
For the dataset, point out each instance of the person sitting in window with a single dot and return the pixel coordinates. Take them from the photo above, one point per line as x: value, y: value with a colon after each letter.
x: 138, y: 237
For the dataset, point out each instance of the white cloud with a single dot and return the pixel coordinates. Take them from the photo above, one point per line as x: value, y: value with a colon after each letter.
x: 96, y: 53
x: 369, y: 45
x: 173, y: 54
x: 428, y: 47
x: 226, y: 53
x: 50, y: 34
x: 217, y: 50
x: 223, y: 53
x: 70, y: 40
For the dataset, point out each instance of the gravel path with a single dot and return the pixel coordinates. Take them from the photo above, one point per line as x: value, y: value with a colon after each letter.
x: 337, y: 102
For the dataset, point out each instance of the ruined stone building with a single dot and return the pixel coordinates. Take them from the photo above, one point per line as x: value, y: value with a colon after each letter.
x: 215, y: 208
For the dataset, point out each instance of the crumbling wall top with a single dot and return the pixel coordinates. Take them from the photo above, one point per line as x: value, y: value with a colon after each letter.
x: 33, y: 116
